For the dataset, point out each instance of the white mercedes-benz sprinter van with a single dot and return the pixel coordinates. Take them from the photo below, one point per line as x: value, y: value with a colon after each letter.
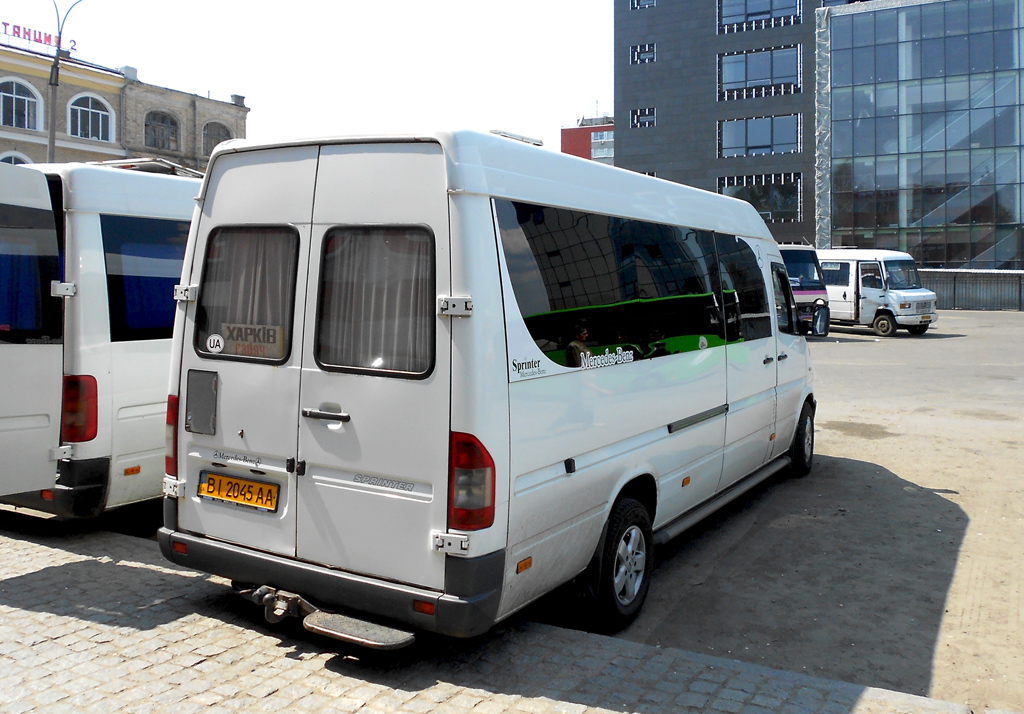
x: 89, y: 256
x: 425, y: 380
x: 880, y: 288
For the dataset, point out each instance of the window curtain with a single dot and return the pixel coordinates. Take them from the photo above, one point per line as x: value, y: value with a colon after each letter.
x: 377, y: 300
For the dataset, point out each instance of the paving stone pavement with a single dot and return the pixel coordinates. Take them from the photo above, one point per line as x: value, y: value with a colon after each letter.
x: 94, y: 621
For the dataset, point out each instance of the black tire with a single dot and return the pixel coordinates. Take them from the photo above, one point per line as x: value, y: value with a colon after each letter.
x: 884, y: 325
x: 801, y: 452
x: 917, y: 329
x: 623, y: 575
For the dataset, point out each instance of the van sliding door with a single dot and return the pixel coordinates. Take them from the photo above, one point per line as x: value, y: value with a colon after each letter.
x: 31, y: 334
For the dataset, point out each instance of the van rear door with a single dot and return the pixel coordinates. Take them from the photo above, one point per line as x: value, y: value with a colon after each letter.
x: 31, y: 333
x: 241, y: 353
x: 376, y: 376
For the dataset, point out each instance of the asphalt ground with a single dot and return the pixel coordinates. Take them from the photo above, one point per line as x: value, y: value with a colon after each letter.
x: 886, y: 581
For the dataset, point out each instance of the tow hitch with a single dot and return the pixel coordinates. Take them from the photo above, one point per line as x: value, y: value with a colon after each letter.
x: 279, y: 604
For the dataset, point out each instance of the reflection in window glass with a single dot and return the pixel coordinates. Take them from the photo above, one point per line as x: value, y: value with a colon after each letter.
x: 746, y: 304
x: 639, y: 289
x: 775, y: 196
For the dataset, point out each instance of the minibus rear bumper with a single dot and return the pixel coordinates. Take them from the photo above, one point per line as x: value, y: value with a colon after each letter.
x: 467, y: 608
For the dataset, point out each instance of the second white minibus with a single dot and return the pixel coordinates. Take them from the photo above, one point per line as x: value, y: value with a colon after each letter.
x: 89, y: 256
x: 420, y: 381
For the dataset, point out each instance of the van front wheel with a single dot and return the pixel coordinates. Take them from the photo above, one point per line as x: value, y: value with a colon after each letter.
x: 801, y: 453
x: 884, y: 325
x: 626, y: 564
x: 917, y: 329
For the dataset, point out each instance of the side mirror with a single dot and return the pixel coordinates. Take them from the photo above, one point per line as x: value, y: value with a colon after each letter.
x: 819, y: 325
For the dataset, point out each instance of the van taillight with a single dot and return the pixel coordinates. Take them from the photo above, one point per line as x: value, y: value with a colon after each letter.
x: 78, y: 412
x: 470, y: 484
x: 171, y: 435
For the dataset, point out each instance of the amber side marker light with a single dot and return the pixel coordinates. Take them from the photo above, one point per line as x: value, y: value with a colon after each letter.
x: 133, y: 471
x: 423, y: 607
x: 180, y: 548
x: 686, y: 481
x: 524, y: 565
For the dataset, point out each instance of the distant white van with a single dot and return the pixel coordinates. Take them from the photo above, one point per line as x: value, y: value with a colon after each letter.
x: 89, y: 256
x: 880, y: 288
x: 422, y: 381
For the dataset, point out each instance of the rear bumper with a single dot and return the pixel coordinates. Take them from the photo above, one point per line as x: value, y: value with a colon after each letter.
x: 80, y: 490
x: 468, y: 607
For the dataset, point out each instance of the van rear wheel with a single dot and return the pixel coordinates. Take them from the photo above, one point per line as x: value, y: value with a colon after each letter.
x: 884, y: 325
x: 624, y: 575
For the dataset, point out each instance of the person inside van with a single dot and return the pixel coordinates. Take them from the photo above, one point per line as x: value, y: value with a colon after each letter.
x: 577, y: 348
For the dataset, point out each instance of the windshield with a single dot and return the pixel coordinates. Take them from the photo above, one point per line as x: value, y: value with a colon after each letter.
x: 802, y: 266
x: 902, y: 274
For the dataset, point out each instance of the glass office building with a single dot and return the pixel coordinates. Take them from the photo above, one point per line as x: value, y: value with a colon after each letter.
x: 919, y: 129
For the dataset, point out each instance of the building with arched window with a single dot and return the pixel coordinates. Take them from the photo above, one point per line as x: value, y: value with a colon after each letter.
x: 106, y: 114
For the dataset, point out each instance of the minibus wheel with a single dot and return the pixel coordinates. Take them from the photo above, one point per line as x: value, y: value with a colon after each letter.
x: 801, y: 453
x: 626, y: 565
x: 884, y: 325
x: 917, y: 329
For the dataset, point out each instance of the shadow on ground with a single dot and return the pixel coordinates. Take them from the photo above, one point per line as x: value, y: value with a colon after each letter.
x: 841, y: 575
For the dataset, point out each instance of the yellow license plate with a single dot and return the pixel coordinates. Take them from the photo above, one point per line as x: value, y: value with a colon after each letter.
x: 256, y: 494
x: 926, y: 318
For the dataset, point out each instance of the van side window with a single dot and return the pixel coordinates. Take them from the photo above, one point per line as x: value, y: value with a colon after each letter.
x: 836, y: 273
x: 785, y: 304
x: 377, y: 301
x: 746, y: 302
x: 871, y: 276
x: 247, y: 294
x: 28, y: 262
x: 637, y: 289
x: 143, y: 258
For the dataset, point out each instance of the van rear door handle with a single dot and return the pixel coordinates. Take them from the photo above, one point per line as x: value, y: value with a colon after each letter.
x: 329, y: 416
x: 769, y: 360
x: 783, y: 356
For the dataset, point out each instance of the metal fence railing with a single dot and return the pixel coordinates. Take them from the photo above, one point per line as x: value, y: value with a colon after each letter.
x: 975, y: 289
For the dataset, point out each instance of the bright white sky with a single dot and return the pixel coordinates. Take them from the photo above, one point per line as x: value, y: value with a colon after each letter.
x: 328, y: 67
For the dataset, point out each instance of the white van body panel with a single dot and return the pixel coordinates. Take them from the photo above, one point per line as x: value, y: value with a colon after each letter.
x: 30, y: 374
x: 130, y: 374
x: 856, y: 303
x: 679, y: 428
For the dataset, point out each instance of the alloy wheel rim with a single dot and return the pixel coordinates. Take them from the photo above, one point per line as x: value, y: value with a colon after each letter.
x: 630, y: 564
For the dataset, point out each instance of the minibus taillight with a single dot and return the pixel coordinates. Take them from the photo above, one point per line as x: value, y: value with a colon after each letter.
x: 78, y: 412
x: 470, y: 484
x: 171, y: 435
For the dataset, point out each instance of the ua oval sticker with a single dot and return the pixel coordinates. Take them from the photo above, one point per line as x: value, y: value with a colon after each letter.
x: 215, y: 343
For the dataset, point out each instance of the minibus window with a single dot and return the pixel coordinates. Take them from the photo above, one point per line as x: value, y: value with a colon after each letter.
x: 143, y: 260
x: 590, y: 285
x: 376, y: 301
x: 785, y: 305
x: 28, y: 263
x: 836, y: 273
x: 902, y: 274
x: 746, y: 302
x: 247, y: 294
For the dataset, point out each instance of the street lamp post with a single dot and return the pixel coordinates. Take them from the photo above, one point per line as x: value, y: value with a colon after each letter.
x: 51, y: 145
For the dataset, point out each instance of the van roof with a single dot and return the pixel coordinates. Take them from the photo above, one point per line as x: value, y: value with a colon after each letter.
x: 18, y: 188
x: 117, y: 191
x: 503, y: 167
x: 863, y: 254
